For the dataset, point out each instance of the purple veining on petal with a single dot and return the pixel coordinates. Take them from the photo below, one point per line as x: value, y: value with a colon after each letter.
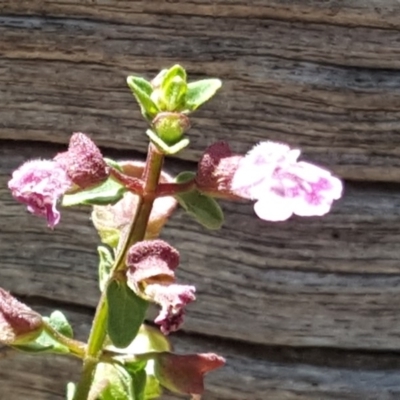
x: 281, y: 186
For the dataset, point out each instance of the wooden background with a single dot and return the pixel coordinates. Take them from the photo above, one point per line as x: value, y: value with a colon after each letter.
x: 303, y: 310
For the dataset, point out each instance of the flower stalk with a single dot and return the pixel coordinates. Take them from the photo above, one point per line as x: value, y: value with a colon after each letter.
x: 135, y: 234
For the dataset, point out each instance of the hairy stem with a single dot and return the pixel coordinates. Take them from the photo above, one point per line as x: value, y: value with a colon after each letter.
x: 136, y: 233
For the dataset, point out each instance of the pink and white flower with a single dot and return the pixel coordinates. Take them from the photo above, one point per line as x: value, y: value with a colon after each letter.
x: 283, y: 186
x: 151, y: 275
x: 40, y: 184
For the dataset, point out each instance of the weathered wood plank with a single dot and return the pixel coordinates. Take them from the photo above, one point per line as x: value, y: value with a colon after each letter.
x: 332, y: 281
x: 250, y: 373
x: 282, y: 82
x: 374, y: 13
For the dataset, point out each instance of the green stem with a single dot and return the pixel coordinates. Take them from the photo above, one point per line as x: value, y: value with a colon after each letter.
x: 137, y: 231
x: 75, y: 347
x: 85, y: 382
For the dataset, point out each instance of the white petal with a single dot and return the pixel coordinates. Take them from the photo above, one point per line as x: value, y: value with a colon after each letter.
x: 274, y: 208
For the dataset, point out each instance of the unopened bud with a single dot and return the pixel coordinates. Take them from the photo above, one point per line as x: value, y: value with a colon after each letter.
x: 171, y: 126
x: 216, y: 170
x: 185, y: 373
x: 83, y: 162
x: 18, y: 323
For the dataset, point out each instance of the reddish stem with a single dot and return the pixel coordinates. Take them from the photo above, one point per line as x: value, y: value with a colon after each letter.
x: 133, y: 184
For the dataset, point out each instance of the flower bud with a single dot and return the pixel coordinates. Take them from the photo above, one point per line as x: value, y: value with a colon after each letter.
x: 185, y: 373
x: 18, y: 323
x: 171, y: 126
x: 83, y: 162
x: 216, y: 170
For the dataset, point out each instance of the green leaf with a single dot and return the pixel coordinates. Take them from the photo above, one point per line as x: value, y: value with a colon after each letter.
x: 153, y: 388
x: 174, y: 94
x: 173, y: 88
x: 113, y: 382
x: 126, y: 312
x: 34, y: 348
x: 60, y: 323
x: 143, y: 84
x: 109, y: 236
x: 201, y: 91
x: 109, y: 192
x: 139, y: 379
x: 202, y: 207
x: 113, y: 164
x: 176, y: 71
x: 106, y: 261
x: 164, y: 147
x: 149, y: 339
x: 142, y: 90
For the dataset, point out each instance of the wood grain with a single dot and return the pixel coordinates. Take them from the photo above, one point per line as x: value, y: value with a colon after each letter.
x: 333, y: 90
x: 332, y: 281
x: 303, y: 310
x: 250, y: 373
x: 372, y: 13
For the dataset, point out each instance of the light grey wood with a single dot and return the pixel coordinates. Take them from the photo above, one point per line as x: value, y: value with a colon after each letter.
x: 330, y: 281
x: 331, y: 89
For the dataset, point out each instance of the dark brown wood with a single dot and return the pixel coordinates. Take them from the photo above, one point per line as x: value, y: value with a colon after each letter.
x: 370, y: 13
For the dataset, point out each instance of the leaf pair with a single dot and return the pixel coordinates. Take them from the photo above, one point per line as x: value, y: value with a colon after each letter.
x: 169, y: 91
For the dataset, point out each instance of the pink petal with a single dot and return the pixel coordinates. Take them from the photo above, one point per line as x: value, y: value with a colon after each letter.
x: 151, y: 260
x: 39, y: 184
x: 172, y: 299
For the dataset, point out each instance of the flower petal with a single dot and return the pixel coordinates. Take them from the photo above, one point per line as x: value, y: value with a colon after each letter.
x: 185, y: 373
x: 270, y: 174
x: 172, y: 299
x: 151, y: 261
x: 274, y: 208
x: 39, y: 184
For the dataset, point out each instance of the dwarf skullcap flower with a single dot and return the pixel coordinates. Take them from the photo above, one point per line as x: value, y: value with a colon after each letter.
x: 151, y: 265
x: 152, y: 260
x: 185, y: 373
x: 39, y: 184
x: 282, y: 186
x: 18, y: 323
x: 172, y: 299
x: 216, y: 169
x: 83, y: 162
